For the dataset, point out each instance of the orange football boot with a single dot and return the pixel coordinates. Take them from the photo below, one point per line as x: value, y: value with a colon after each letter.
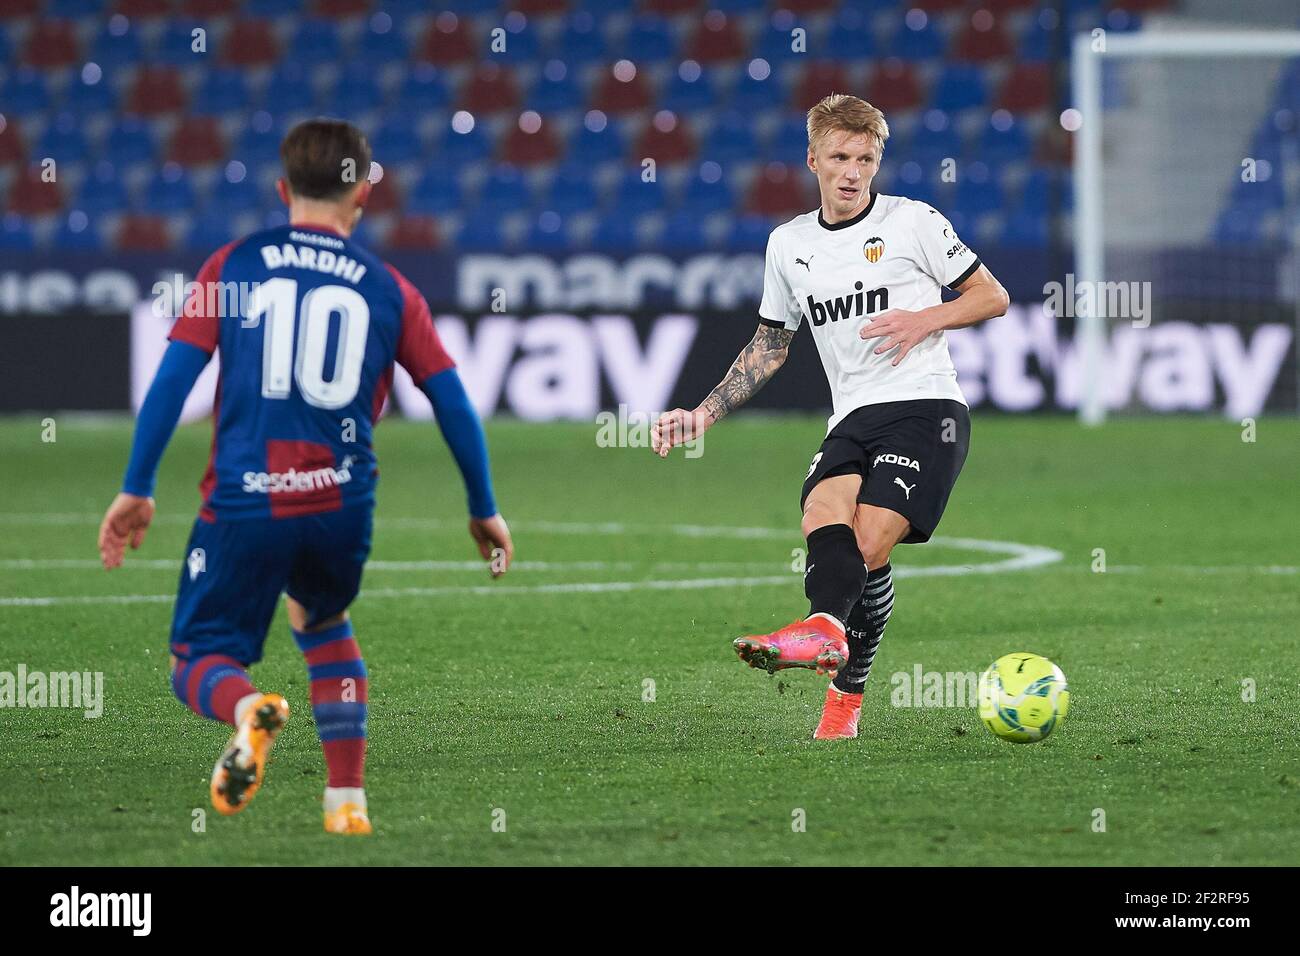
x: 816, y: 643
x: 349, y: 818
x: 238, y: 774
x: 839, y: 715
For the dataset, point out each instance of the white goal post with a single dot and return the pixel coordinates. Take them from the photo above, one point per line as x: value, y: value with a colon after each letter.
x: 1089, y: 231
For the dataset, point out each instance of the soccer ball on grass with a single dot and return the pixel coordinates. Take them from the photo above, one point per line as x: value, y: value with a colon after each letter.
x: 1022, y: 697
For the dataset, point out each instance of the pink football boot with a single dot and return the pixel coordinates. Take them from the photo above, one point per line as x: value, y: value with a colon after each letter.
x: 816, y: 643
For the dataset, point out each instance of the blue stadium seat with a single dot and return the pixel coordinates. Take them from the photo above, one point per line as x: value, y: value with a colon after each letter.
x: 926, y: 43
x: 64, y: 140
x: 790, y: 141
x: 684, y: 231
x: 598, y: 147
x: 603, y: 8
x: 233, y: 197
x: 25, y: 92
x: 271, y: 8
x: 209, y: 233
x: 101, y: 191
x: 977, y: 195
x: 381, y: 46
x: 775, y: 46
x: 521, y: 47
x: 552, y: 94
x: 649, y: 40
x: 931, y: 146
x: 702, y: 197
x: 615, y: 234
x: 117, y: 44
x: 481, y: 234
x: 504, y: 191
x: 470, y: 6
x: 290, y: 89
x: 749, y: 233
x: 223, y: 90
x: 474, y: 146
x: 131, y: 141
x: 961, y: 86
x: 70, y: 9
x: 168, y: 191
x: 260, y: 141
x: 683, y: 96
x: 1036, y: 192
x: 581, y: 40
x: 316, y: 41
x: 1038, y: 43
x: 16, y: 234
x: 1025, y: 228
x: 549, y: 232
x: 571, y: 190
x: 176, y: 44
x: 1006, y: 145
x: 850, y: 36
x: 750, y: 95
x: 911, y: 181
x: 78, y: 232
x: 435, y: 194
x: 1238, y: 226
x: 632, y: 196
x: 423, y: 89
x: 731, y: 139
x: 396, y: 142
x: 355, y: 91
x: 85, y: 98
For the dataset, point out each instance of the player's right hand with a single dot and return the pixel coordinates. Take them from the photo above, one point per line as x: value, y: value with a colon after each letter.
x: 127, y: 518
x: 494, y: 543
x: 676, y: 428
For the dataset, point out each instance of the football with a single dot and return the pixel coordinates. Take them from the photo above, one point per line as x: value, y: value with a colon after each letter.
x: 1022, y: 697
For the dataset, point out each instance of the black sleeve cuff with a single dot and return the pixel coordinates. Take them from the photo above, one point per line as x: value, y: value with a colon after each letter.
x: 770, y: 324
x: 965, y: 275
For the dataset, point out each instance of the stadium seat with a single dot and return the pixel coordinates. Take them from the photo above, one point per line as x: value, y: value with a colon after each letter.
x: 668, y: 145
x: 931, y: 145
x: 716, y: 39
x: 1026, y: 89
x: 790, y: 140
x: 1003, y: 140
x: 222, y: 90
x: 521, y: 147
x: 423, y: 89
x: 168, y: 192
x: 101, y: 191
x: 16, y: 234
x: 341, y: 8
x: 447, y: 42
x: 981, y: 40
x: 260, y: 141
x: 581, y: 40
x: 702, y: 197
x: 78, y: 232
x: 52, y: 44
x: 550, y: 232
x: 616, y: 234
x: 481, y: 234
x: 776, y: 46
x: 749, y: 233
x: 383, y: 41
x: 689, y: 96
x: 250, y: 43
x: 977, y: 193
x: 12, y: 148
x: 271, y: 8
x: 30, y: 194
x: 684, y: 231
x: 24, y: 92
x: 385, y: 195
x: 635, y: 196
x: 117, y: 44
x: 491, y: 89
x: 289, y: 89
x: 72, y: 8
x: 229, y: 197
x: 850, y: 37
x: 730, y: 140
x: 64, y: 140
x: 468, y: 147
x: 520, y: 48
x: 780, y: 190
x: 597, y: 146
x: 669, y: 8
x: 649, y: 39
x: 1023, y: 228
x: 819, y: 79
x: 918, y: 40
x: 571, y: 190
x: 555, y: 90
x: 893, y: 86
x: 614, y: 95
x: 89, y: 93
x: 131, y: 141
x: 540, y: 7
x: 435, y: 193
x: 959, y: 87
x: 316, y: 41
x: 209, y: 9
x: 157, y: 90
x: 395, y: 141
x: 355, y: 91
x: 750, y: 94
x: 414, y: 233
x: 143, y: 9
x: 175, y: 47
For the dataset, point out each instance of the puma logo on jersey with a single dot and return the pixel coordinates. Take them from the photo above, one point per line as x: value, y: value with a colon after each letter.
x: 901, y: 460
x: 848, y: 306
x: 805, y: 264
x: 907, y: 490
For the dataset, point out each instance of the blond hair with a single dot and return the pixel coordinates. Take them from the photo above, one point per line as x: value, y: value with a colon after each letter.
x: 849, y: 114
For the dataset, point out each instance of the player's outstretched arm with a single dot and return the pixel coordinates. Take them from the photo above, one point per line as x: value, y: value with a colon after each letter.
x: 756, y: 363
x: 463, y: 432
x: 129, y: 515
x: 980, y: 297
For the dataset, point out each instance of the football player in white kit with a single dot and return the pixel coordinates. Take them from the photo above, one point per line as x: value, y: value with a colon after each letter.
x: 864, y: 272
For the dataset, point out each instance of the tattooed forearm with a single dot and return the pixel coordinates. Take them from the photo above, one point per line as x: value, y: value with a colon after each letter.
x: 753, y: 367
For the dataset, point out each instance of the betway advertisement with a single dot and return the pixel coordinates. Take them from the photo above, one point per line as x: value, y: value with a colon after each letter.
x: 545, y: 339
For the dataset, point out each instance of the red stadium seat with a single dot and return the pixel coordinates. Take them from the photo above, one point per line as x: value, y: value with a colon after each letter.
x: 144, y: 8
x: 521, y: 148
x: 251, y: 43
x: 675, y: 145
x: 618, y: 96
x: 12, y: 149
x: 143, y: 234
x: 197, y: 140
x: 894, y: 86
x: 540, y: 6
x: 490, y: 90
x: 385, y: 195
x: 820, y: 80
x: 1028, y: 88
x: 30, y: 195
x: 448, y: 41
x: 669, y: 8
x: 414, y: 232
x: 717, y: 38
x: 809, y: 6
x: 342, y: 8
x: 209, y: 8
x: 781, y: 190
x: 981, y: 40
x: 1055, y: 146
x: 157, y: 89
x: 11, y: 9
x: 52, y: 43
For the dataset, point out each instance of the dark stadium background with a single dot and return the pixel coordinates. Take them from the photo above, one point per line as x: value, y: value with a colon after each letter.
x: 138, y: 136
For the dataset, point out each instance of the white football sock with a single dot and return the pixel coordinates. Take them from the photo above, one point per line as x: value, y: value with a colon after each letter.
x: 839, y: 625
x: 335, y: 797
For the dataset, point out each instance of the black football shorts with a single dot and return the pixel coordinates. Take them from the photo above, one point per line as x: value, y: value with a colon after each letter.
x: 909, y: 455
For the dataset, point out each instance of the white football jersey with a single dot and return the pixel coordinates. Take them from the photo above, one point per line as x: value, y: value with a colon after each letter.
x: 895, y: 254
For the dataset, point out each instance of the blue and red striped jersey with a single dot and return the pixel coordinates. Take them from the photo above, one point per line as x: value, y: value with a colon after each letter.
x: 308, y: 325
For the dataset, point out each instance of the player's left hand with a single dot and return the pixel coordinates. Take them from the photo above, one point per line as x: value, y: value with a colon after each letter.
x: 494, y: 542
x: 127, y: 518
x: 900, y: 329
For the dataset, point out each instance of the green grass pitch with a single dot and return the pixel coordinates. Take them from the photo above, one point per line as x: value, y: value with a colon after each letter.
x: 521, y: 701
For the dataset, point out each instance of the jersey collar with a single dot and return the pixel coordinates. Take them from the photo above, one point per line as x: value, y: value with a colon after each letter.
x: 847, y: 222
x: 316, y: 227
